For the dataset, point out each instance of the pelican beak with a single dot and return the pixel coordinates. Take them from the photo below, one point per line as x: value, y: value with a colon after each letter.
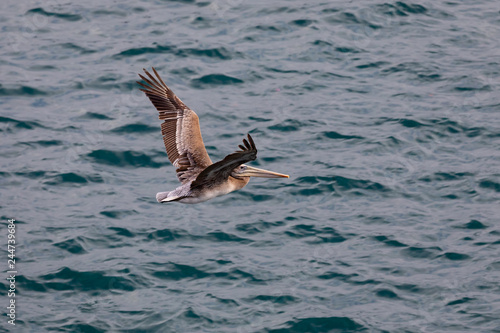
x: 256, y: 172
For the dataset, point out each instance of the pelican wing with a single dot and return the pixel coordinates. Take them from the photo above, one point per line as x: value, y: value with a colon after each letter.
x: 221, y: 170
x: 180, y: 129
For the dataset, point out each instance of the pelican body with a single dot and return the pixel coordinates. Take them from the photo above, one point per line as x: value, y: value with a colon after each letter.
x: 201, y: 180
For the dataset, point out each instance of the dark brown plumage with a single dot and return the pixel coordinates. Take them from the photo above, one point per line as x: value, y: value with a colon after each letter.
x: 220, y: 171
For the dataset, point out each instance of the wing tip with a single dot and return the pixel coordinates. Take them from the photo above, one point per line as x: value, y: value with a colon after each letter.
x: 248, y: 144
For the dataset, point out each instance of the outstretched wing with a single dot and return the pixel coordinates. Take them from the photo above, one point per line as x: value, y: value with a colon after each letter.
x: 221, y: 170
x: 180, y: 129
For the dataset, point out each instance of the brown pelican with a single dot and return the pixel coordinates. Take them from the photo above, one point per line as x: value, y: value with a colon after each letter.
x: 201, y: 179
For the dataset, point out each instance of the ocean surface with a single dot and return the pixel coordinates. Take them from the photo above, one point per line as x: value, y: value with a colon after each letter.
x: 386, y: 116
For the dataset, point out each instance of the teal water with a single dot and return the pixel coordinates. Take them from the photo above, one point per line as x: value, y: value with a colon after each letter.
x: 385, y: 115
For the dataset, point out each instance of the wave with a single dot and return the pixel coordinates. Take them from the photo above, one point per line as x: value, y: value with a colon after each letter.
x: 125, y: 159
x: 219, y: 53
x: 62, y: 16
x: 72, y: 178
x: 319, y: 324
x: 22, y: 91
x: 214, y: 80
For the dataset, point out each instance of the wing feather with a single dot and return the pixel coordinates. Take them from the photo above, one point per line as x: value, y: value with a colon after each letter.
x: 220, y: 171
x: 180, y: 128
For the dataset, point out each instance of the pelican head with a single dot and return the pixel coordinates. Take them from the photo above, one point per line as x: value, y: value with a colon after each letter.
x: 248, y: 171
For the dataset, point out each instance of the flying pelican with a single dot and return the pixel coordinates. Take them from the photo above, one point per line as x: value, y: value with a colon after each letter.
x: 201, y: 179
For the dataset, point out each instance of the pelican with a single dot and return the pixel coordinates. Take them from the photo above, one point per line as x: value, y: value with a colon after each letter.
x: 201, y: 179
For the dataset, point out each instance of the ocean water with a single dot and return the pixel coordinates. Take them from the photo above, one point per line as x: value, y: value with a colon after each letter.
x: 384, y: 114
